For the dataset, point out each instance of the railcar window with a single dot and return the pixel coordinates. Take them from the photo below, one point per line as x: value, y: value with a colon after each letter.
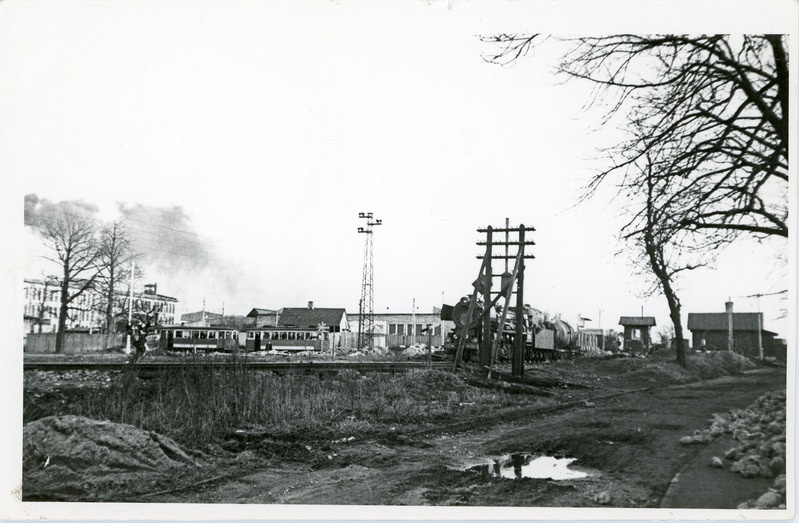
x: 195, y: 334
x: 284, y: 335
x: 203, y: 335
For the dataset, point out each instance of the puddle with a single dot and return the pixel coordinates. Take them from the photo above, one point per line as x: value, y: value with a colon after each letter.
x: 517, y: 466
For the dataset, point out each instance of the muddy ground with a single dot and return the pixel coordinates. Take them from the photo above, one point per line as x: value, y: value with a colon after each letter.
x: 629, y: 445
x: 626, y: 440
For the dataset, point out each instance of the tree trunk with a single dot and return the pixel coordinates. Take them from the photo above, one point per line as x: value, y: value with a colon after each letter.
x: 671, y: 296
x: 109, y: 306
x: 674, y: 314
x: 62, y: 312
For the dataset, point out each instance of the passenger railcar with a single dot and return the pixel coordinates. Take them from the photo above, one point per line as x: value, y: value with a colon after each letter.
x: 209, y: 339
x: 283, y: 339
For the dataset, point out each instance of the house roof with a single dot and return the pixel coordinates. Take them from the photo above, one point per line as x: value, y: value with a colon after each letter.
x: 305, y: 317
x: 637, y: 321
x: 260, y: 312
x: 717, y: 321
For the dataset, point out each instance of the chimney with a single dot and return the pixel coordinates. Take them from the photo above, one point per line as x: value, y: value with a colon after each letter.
x: 310, y: 305
x: 728, y: 307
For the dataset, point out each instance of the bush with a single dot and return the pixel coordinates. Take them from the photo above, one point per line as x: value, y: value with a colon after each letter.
x: 719, y: 363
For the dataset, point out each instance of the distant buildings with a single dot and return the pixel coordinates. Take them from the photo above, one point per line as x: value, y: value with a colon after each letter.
x: 332, y: 321
x: 744, y: 330
x: 200, y: 319
x: 42, y: 301
x: 264, y: 317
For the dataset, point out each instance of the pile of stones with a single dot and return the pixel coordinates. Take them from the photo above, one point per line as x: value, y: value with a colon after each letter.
x: 759, y: 435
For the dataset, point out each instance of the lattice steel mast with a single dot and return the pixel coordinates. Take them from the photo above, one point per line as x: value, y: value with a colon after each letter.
x: 366, y: 313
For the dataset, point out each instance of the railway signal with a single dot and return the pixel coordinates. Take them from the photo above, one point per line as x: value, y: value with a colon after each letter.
x: 366, y: 313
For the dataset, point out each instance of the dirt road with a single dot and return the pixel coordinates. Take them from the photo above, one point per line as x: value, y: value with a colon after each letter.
x: 628, y: 446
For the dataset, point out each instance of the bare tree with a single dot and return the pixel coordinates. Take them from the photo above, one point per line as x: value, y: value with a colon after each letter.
x: 114, y: 255
x: 69, y: 233
x: 717, y: 105
x: 707, y: 142
x: 667, y: 246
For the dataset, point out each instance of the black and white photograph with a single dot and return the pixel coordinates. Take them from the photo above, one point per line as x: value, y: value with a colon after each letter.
x: 399, y: 260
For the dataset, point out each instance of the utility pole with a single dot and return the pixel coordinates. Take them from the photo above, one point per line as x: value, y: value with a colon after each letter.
x: 506, y: 291
x: 366, y: 316
x: 130, y: 306
x: 413, y: 320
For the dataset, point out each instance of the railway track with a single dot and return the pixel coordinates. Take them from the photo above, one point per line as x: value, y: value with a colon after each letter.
x: 310, y: 367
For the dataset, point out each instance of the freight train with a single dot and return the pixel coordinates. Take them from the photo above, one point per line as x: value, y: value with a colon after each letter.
x: 545, y: 338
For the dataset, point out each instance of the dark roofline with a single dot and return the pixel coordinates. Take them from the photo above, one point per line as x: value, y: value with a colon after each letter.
x: 637, y: 321
x: 257, y: 311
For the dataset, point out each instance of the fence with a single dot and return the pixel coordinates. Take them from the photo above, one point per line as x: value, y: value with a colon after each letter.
x: 74, y: 342
x: 349, y: 340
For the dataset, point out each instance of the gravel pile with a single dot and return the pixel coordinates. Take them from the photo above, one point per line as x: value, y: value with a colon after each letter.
x: 45, y: 380
x: 759, y: 435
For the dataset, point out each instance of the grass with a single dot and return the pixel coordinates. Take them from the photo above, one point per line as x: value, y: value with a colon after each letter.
x: 198, y: 404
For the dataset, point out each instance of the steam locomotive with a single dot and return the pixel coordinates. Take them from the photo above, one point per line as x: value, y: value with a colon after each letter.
x: 545, y: 338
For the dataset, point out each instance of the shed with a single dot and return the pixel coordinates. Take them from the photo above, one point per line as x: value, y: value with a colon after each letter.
x: 710, y: 331
x: 637, y: 336
x: 264, y: 317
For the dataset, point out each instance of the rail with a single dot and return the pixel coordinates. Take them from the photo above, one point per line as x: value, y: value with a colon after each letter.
x: 313, y: 366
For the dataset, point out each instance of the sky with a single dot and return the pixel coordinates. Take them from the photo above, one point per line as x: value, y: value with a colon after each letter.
x: 240, y: 140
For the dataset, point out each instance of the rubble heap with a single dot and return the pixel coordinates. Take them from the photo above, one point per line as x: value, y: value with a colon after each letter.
x: 759, y: 435
x: 73, y: 455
